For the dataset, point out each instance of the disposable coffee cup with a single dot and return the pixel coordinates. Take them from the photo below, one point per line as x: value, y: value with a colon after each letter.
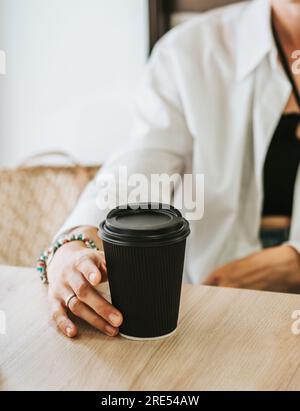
x: 144, y: 247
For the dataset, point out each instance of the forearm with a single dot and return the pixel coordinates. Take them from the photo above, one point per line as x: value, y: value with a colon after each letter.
x: 272, y: 269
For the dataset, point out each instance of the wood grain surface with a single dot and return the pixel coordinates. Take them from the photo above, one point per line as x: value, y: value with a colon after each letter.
x: 226, y: 339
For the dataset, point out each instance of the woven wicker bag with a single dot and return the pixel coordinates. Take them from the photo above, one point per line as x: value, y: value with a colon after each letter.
x: 34, y: 202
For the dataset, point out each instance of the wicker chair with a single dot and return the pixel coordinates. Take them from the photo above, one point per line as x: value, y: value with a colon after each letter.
x: 34, y: 202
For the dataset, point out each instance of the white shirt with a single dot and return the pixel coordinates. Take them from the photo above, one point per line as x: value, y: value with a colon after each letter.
x: 211, y: 98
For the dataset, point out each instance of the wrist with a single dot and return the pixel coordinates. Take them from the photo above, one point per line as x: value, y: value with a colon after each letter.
x: 89, y: 232
x: 48, y: 255
x: 68, y: 249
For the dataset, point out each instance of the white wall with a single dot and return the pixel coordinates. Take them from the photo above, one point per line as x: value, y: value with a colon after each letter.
x: 72, y: 66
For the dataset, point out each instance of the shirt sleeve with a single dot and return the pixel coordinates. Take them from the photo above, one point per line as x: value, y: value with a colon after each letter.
x: 160, y: 141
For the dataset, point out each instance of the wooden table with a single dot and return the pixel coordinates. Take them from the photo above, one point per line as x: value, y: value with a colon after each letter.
x: 226, y: 339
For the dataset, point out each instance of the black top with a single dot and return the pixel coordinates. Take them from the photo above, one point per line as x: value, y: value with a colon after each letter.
x: 281, y: 166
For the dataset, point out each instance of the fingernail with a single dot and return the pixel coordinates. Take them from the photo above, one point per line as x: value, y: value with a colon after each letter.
x: 69, y: 331
x: 92, y: 277
x: 110, y: 330
x: 114, y: 319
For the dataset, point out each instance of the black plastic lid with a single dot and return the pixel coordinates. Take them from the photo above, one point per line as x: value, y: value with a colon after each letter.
x: 144, y: 224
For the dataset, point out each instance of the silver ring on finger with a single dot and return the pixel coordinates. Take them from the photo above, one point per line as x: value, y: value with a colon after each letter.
x: 68, y: 300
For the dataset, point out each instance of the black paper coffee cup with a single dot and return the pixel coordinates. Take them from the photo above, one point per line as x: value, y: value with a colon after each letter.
x: 144, y: 247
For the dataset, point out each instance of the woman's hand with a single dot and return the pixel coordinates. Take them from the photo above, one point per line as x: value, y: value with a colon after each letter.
x: 76, y: 269
x: 272, y: 269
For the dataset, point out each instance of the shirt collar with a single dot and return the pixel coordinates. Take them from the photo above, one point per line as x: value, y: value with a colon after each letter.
x: 254, y: 37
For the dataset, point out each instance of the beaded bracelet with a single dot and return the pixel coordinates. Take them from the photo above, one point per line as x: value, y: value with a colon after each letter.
x: 48, y: 254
